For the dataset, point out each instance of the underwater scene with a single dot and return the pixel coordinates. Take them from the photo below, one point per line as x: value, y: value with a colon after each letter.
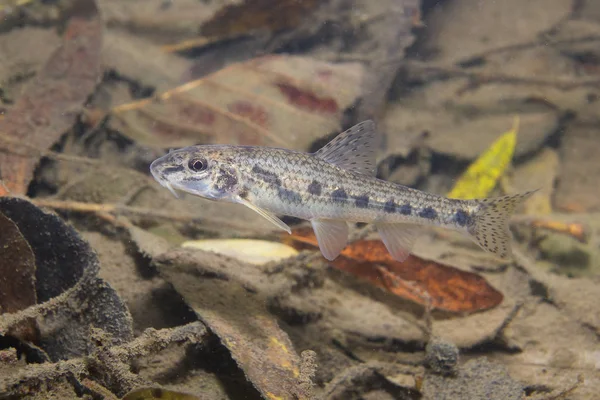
x: 300, y: 199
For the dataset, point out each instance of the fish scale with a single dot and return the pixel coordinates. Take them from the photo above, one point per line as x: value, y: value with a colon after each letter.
x: 331, y: 187
x: 300, y: 170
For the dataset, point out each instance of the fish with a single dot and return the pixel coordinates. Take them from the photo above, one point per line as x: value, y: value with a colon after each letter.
x: 332, y: 187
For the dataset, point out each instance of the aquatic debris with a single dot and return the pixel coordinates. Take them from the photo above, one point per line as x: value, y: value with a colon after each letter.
x: 51, y: 103
x: 158, y: 393
x: 17, y: 272
x: 64, y: 263
x: 248, y: 250
x: 425, y: 282
x: 576, y: 230
x: 482, y: 176
x: 235, y: 311
x: 273, y: 100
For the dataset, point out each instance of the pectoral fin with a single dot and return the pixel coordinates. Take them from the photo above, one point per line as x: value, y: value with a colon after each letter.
x: 332, y: 236
x: 398, y: 239
x: 270, y: 217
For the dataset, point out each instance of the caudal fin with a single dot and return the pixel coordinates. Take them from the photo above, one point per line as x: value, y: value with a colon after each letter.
x: 490, y: 226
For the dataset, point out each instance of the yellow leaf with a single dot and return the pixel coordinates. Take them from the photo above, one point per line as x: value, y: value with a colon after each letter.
x: 483, y: 174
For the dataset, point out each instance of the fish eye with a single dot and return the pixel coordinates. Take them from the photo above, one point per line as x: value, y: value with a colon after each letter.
x: 197, y: 164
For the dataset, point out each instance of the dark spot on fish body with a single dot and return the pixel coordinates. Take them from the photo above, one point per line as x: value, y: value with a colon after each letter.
x: 226, y: 180
x: 462, y: 218
x: 406, y: 209
x: 428, y: 213
x: 244, y: 192
x: 361, y: 201
x: 315, y: 188
x: 289, y: 196
x: 339, y: 195
x: 266, y: 176
x: 389, y: 207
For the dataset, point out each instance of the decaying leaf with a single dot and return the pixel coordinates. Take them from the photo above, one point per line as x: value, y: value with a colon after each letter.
x: 17, y: 276
x: 483, y: 174
x: 62, y: 257
x: 52, y: 101
x: 17, y: 269
x: 236, y: 313
x: 273, y: 100
x: 246, y: 18
x: 66, y: 263
x: 158, y: 394
x: 252, y: 15
x: 422, y: 281
x: 246, y: 250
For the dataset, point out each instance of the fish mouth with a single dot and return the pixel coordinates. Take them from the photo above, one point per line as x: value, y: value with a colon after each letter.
x: 156, y: 170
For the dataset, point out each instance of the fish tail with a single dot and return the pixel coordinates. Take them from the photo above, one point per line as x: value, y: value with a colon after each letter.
x: 490, y: 224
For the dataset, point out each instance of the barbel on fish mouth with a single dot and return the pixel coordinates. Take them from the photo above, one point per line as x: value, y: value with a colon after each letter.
x: 332, y: 187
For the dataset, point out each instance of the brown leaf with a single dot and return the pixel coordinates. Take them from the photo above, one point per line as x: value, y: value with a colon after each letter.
x: 272, y: 100
x: 253, y: 15
x: 17, y: 272
x: 52, y: 101
x: 419, y: 280
x: 158, y: 393
x: 17, y: 269
x: 64, y: 263
x: 246, y: 18
x: 236, y: 313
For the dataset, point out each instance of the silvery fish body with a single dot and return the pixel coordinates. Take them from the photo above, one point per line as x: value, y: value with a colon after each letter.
x: 331, y: 187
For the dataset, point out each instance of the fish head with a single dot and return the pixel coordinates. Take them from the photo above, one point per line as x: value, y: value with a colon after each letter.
x: 199, y: 170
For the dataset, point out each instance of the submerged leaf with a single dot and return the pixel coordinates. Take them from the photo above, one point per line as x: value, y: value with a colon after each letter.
x: 247, y: 250
x: 258, y: 15
x: 158, y: 394
x: 17, y: 276
x: 66, y: 263
x: 416, y: 279
x: 273, y: 100
x: 237, y: 314
x: 51, y: 103
x: 483, y: 174
x: 17, y: 269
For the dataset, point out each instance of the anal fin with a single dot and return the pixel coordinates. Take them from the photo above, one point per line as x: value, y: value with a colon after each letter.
x: 398, y: 238
x: 332, y: 236
x: 267, y: 215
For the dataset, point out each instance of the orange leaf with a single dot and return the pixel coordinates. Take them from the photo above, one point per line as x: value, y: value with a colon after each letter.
x: 416, y: 279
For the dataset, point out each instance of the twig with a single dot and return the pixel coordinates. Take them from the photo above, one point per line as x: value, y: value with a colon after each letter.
x: 150, y: 342
x: 30, y: 150
x: 488, y: 77
x: 107, y: 208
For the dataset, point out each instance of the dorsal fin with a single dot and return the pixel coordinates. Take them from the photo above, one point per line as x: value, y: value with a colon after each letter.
x: 354, y: 149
